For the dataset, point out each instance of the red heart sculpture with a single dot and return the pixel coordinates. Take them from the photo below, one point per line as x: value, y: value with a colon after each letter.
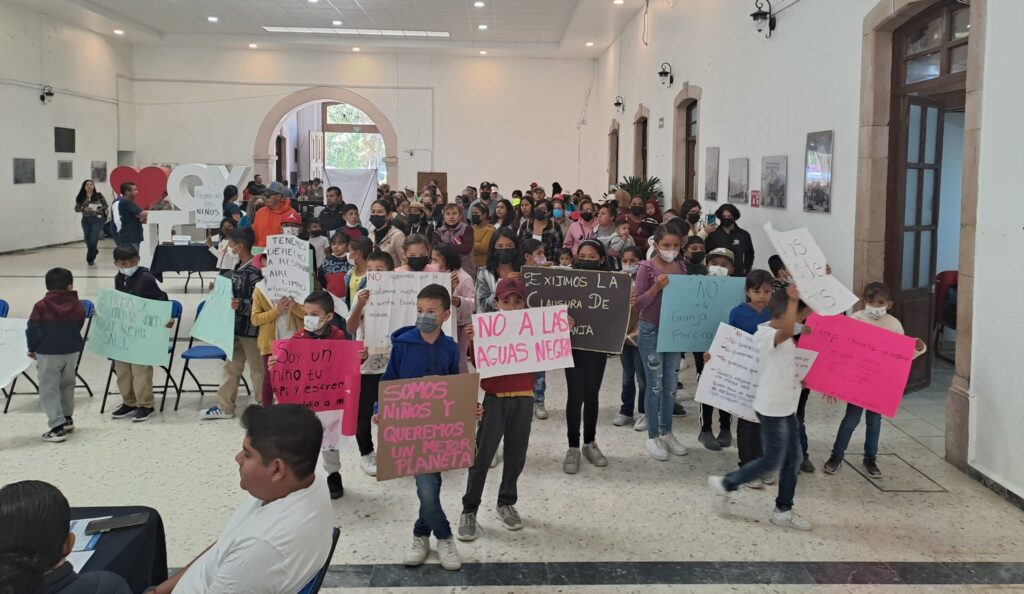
x: 151, y: 182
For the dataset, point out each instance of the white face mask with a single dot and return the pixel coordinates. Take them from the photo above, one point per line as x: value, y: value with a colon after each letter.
x: 798, y: 329
x: 311, y: 323
x: 290, y: 230
x: 717, y: 271
x: 128, y: 271
x: 875, y: 313
x: 668, y: 255
x: 631, y: 268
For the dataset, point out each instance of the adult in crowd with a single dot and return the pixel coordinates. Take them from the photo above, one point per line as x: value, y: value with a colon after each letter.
x: 495, y: 194
x: 543, y: 229
x: 486, y: 201
x: 384, y: 235
x: 93, y: 208
x: 622, y: 200
x: 504, y: 214
x: 692, y: 212
x: 482, y: 232
x: 558, y: 213
x: 278, y: 539
x: 504, y: 260
x: 255, y: 203
x: 257, y: 182
x: 419, y: 220
x: 729, y: 235
x: 446, y: 259
x: 640, y: 225
x: 332, y: 216
x: 132, y: 217
x: 35, y: 541
x: 230, y: 205
x: 524, y: 213
x: 433, y: 205
x: 275, y: 209
x: 583, y: 229
x: 604, y: 231
x: 459, y: 234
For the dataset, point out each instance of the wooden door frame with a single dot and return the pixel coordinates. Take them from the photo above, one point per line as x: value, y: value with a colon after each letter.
x: 613, y: 154
x: 641, y: 137
x: 687, y: 96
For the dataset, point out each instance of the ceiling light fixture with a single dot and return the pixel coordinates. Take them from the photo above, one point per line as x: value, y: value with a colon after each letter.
x: 357, y: 49
x: 253, y: 46
x: 590, y: 44
x: 482, y: 27
x: 763, y: 18
x: 212, y: 19
x: 483, y: 52
x: 336, y: 23
x: 118, y: 32
x: 479, y: 4
x: 312, y: 1
x: 618, y: 1
x: 366, y: 32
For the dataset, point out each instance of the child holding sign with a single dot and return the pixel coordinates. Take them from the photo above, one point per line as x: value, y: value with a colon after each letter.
x: 878, y: 301
x: 633, y: 374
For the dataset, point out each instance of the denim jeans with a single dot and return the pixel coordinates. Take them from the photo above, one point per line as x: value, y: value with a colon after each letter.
x: 873, y: 427
x: 432, y: 518
x: 632, y: 376
x: 660, y: 370
x: 91, y: 227
x: 780, y: 437
x: 801, y: 413
x: 540, y: 384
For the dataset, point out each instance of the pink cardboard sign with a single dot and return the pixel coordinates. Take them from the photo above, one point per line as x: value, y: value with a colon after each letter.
x: 858, y: 363
x: 320, y: 375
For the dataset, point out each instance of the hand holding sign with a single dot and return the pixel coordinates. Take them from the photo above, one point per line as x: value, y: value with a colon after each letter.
x: 287, y: 269
x: 805, y: 262
x: 321, y: 375
x: 692, y: 307
x: 216, y: 322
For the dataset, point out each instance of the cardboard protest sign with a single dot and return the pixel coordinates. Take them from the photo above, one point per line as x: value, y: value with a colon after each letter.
x: 130, y: 329
x: 392, y: 305
x: 209, y: 207
x: 426, y: 424
x: 858, y: 363
x: 522, y: 341
x: 598, y: 302
x: 287, y: 271
x: 692, y: 307
x: 806, y: 263
x: 13, y: 349
x: 216, y: 323
x: 321, y: 375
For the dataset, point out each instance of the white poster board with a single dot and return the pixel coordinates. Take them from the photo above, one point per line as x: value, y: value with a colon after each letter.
x: 13, y: 349
x: 287, y: 268
x: 358, y: 186
x: 209, y: 208
x: 522, y: 341
x: 392, y: 305
x: 806, y: 263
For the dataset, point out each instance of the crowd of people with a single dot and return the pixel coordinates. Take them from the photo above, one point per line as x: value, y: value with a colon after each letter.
x: 483, y: 240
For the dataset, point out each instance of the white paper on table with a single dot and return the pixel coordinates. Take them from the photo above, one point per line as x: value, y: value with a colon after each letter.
x: 78, y: 559
x: 83, y: 542
x: 806, y: 264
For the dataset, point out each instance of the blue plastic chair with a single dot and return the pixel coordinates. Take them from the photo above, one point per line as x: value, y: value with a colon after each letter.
x: 318, y: 580
x: 202, y: 352
x: 176, y: 310
x: 5, y: 308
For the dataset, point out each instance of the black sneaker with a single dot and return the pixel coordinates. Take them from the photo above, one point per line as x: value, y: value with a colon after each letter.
x: 55, y: 435
x: 334, y: 485
x: 807, y: 466
x: 123, y: 411
x: 872, y: 468
x: 142, y: 414
x: 832, y: 465
x: 678, y: 410
x: 69, y: 424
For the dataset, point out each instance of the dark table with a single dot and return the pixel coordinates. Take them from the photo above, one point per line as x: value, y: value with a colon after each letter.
x: 195, y: 257
x: 138, y: 554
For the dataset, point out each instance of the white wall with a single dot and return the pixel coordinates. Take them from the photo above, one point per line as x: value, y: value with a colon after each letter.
x: 948, y: 249
x: 83, y: 69
x: 760, y: 97
x: 997, y: 405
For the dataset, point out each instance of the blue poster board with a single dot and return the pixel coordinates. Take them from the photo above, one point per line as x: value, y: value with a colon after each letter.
x: 692, y: 307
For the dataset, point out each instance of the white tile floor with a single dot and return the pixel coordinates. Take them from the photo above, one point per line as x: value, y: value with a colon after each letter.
x: 635, y: 509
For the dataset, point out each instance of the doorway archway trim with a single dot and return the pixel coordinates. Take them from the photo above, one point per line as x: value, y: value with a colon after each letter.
x: 689, y: 94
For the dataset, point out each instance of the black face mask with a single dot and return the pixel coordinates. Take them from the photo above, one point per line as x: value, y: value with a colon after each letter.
x: 693, y: 217
x: 728, y: 223
x: 697, y: 257
x: 637, y: 211
x: 587, y: 216
x: 418, y: 263
x: 415, y: 218
x: 316, y: 233
x: 540, y: 215
x: 475, y: 219
x: 505, y: 255
x: 378, y: 221
x: 588, y: 264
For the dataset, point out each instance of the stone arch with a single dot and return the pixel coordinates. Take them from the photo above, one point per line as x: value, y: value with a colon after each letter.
x: 686, y: 97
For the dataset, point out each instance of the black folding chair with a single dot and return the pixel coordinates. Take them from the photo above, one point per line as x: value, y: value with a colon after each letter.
x: 5, y: 308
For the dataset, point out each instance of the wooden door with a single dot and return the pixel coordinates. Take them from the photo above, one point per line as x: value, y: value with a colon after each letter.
x: 423, y: 178
x: 913, y: 224
x: 280, y: 173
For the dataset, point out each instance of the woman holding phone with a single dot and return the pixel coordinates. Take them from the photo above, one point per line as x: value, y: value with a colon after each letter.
x: 700, y: 226
x: 93, y: 208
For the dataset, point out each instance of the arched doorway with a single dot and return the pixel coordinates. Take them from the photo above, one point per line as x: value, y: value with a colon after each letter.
x: 640, y: 136
x: 264, y: 153
x: 613, y: 153
x: 684, y: 144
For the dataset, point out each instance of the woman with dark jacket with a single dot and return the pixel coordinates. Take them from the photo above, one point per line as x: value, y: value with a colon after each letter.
x: 729, y: 235
x: 93, y: 208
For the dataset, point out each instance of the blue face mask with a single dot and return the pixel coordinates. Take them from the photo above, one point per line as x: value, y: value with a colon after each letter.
x: 128, y: 271
x: 427, y: 323
x: 557, y: 213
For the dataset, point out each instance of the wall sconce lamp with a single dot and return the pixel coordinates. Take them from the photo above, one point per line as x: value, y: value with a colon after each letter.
x: 763, y: 18
x: 666, y: 74
x: 619, y: 104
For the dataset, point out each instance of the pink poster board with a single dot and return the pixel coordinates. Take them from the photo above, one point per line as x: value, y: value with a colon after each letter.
x: 321, y: 375
x: 858, y: 363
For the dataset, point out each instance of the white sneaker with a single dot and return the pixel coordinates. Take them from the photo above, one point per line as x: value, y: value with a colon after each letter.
x: 418, y: 551
x: 368, y: 463
x: 719, y: 494
x: 656, y: 449
x: 641, y: 423
x: 215, y: 413
x: 449, y: 555
x: 539, y: 411
x: 672, y: 445
x: 788, y: 519
x: 622, y: 420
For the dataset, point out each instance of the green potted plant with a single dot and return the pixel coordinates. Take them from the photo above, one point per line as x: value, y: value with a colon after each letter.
x: 645, y: 188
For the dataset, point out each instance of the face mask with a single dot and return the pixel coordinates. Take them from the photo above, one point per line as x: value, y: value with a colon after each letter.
x: 587, y: 216
x: 696, y: 257
x: 378, y: 221
x: 539, y: 260
x: 668, y: 255
x: 316, y: 233
x: 352, y: 225
x: 693, y: 217
x: 875, y: 313
x: 588, y: 264
x: 505, y: 255
x: 311, y: 323
x: 418, y: 263
x: 558, y: 213
x: 128, y: 271
x: 728, y: 223
x: 290, y: 230
x: 475, y: 219
x: 540, y: 215
x: 427, y: 323
x: 631, y: 269
x: 637, y: 211
x: 415, y: 218
x: 717, y: 271
x: 798, y: 329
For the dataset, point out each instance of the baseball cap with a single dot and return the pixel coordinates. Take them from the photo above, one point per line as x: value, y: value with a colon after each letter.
x: 509, y: 286
x: 722, y: 252
x: 292, y: 218
x: 417, y: 204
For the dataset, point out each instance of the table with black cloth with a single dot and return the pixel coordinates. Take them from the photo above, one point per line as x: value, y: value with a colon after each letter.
x: 138, y: 554
x: 194, y: 257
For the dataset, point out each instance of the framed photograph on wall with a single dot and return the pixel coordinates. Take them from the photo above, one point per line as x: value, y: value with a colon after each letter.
x: 773, y: 181
x: 818, y: 172
x: 711, y: 174
x: 24, y: 171
x: 99, y: 171
x: 65, y: 169
x: 739, y: 181
x: 64, y: 140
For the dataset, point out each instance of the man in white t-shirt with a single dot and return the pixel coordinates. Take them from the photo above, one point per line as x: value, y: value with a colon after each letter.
x: 278, y: 539
x: 776, y: 400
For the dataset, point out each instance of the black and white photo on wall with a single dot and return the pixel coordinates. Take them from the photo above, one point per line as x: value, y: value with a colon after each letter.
x: 818, y: 172
x: 739, y: 171
x: 711, y: 174
x: 99, y: 171
x: 773, y: 181
x: 65, y: 169
x: 64, y: 140
x: 24, y: 171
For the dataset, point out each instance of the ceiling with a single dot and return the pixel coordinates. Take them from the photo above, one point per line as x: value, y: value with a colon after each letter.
x: 549, y: 28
